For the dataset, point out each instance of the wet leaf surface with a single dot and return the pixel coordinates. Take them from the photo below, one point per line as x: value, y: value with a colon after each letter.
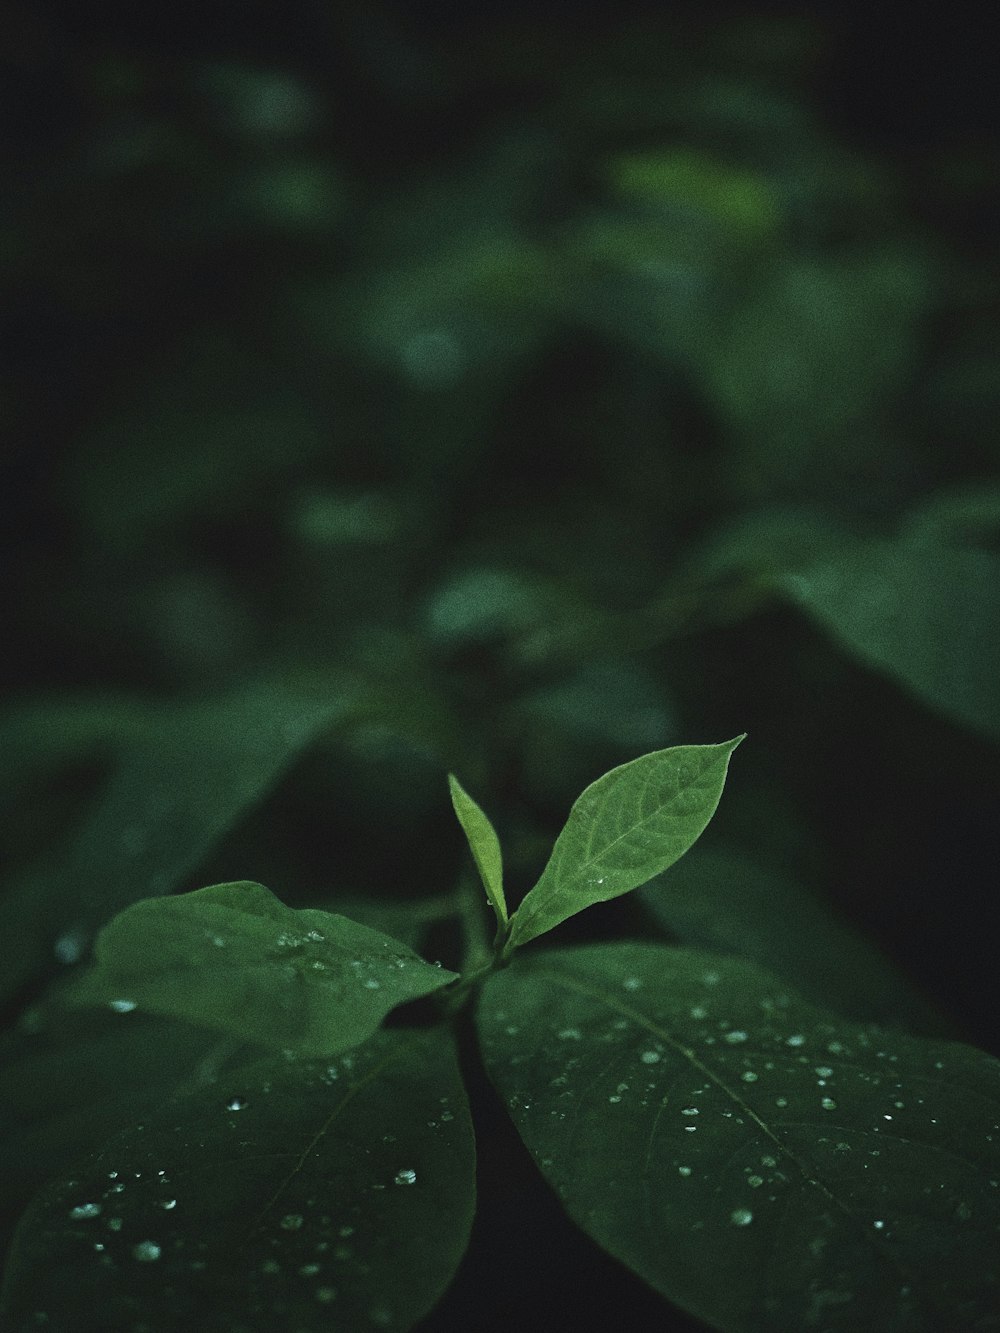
x: 759, y: 1162
x: 234, y: 958
x: 309, y: 1195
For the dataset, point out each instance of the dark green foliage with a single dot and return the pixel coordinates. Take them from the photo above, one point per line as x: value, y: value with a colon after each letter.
x: 391, y: 392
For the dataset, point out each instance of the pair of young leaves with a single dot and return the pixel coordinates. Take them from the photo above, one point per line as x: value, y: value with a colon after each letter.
x: 235, y: 958
x: 755, y: 1160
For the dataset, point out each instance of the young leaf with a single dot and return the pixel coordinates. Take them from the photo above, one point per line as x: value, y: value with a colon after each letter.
x: 484, y: 845
x: 723, y: 899
x: 924, y: 615
x: 295, y: 1196
x: 762, y: 1164
x: 626, y: 827
x: 233, y: 957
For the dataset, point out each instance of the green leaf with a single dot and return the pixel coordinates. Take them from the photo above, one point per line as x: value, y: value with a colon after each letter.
x: 484, y: 845
x: 625, y: 828
x: 195, y: 770
x: 925, y: 615
x: 300, y: 1196
x: 694, y: 183
x: 72, y: 1080
x: 723, y: 899
x: 762, y: 1164
x: 233, y: 957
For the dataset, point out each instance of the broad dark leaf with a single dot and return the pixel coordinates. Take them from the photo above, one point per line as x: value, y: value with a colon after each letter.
x: 925, y: 615
x: 762, y: 1164
x: 306, y: 1196
x: 71, y: 1083
x: 233, y: 957
x: 625, y: 828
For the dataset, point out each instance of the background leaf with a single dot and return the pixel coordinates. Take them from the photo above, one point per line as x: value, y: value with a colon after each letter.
x: 235, y: 958
x: 175, y: 793
x: 925, y: 615
x: 721, y: 898
x: 484, y: 845
x: 307, y: 1195
x: 625, y: 828
x: 759, y: 1162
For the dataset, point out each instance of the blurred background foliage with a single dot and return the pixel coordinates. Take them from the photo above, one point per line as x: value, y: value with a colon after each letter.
x: 392, y: 387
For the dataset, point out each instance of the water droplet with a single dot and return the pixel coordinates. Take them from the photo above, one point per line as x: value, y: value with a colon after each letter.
x: 69, y: 948
x: 308, y: 1270
x: 699, y: 1011
x: 291, y: 1222
x: 711, y: 978
x: 169, y: 1204
x: 741, y: 1217
x: 122, y: 1006
x: 371, y: 984
x: 614, y: 1099
x: 326, y: 1294
x: 690, y: 1128
x: 879, y: 1225
x: 115, y: 1224
x: 146, y: 1251
x: 237, y: 1104
x: 85, y: 1210
x: 405, y: 1177
x: 755, y: 1182
x: 315, y: 935
x: 768, y: 1161
x: 570, y: 1034
x: 683, y: 1170
x: 824, y: 1071
x: 748, y: 1076
x: 270, y: 1266
x: 734, y: 1038
x: 781, y: 1101
x: 217, y: 941
x: 650, y: 1057
x: 796, y: 1039
x: 690, y: 1110
x: 828, y: 1104
x: 631, y: 983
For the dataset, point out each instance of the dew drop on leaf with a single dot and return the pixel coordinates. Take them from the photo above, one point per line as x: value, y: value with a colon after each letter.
x: 741, y: 1217
x: 291, y: 1222
x: 84, y: 1211
x: 406, y: 1177
x: 147, y: 1251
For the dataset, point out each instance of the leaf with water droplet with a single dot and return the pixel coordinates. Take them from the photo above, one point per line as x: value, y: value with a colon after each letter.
x: 628, y: 826
x: 78, y: 1077
x: 285, y: 1214
x: 264, y: 986
x: 484, y: 845
x: 926, y: 615
x: 780, y: 1189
